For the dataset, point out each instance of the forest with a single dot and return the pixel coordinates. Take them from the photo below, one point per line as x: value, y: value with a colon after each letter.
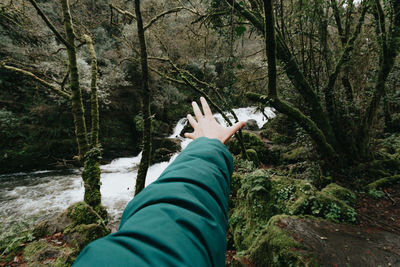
x: 93, y: 103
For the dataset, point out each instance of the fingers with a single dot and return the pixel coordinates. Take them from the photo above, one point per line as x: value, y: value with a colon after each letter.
x: 197, y: 111
x: 206, y: 107
x: 192, y: 121
x: 189, y: 135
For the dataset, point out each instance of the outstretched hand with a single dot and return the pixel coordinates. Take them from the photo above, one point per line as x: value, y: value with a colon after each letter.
x: 206, y: 125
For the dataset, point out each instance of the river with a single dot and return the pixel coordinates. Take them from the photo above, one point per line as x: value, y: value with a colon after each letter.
x: 32, y: 197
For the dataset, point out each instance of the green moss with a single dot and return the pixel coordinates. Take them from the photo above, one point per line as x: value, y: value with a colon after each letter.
x: 81, y: 235
x: 277, y: 138
x: 275, y: 247
x: 251, y: 141
x: 263, y: 195
x: 252, y: 154
x: 384, y: 182
x: 296, y: 154
x: 36, y: 252
x: 341, y: 193
x: 91, y: 176
x: 82, y: 213
x: 251, y: 212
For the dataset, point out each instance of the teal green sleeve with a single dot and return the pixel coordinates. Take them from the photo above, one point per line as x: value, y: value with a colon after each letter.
x: 179, y: 220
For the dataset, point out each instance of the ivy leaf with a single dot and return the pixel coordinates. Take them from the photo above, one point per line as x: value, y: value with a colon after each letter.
x: 240, y: 30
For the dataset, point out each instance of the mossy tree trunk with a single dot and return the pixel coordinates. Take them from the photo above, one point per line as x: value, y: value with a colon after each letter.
x: 76, y: 98
x: 88, y: 152
x: 146, y: 113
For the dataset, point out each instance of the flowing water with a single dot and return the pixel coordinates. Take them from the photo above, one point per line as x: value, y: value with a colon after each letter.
x: 35, y: 196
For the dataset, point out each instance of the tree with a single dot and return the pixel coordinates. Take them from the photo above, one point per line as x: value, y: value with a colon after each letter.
x: 340, y: 129
x: 89, y: 150
x: 146, y: 112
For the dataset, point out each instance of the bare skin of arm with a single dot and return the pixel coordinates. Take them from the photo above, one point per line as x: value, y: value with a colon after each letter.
x: 206, y: 125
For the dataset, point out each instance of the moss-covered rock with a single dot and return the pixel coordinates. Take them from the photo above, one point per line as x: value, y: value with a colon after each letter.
x: 295, y: 155
x: 341, y: 193
x: 42, y: 253
x: 252, y: 209
x: 384, y: 182
x: 252, y: 155
x: 81, y: 235
x: 275, y: 247
x: 263, y: 195
x: 78, y: 213
x: 251, y: 141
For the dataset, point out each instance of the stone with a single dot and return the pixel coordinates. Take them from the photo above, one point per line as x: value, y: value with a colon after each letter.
x: 251, y: 125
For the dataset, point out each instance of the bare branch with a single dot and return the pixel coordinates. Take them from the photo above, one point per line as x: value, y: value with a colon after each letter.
x: 49, y: 24
x: 41, y: 81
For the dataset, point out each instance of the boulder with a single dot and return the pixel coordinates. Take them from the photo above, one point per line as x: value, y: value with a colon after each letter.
x: 81, y: 235
x: 251, y: 141
x: 186, y: 129
x: 262, y: 195
x: 251, y: 125
x: 164, y: 148
x: 297, y: 241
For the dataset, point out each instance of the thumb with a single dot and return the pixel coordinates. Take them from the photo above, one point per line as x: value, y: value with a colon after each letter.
x: 233, y: 129
x: 189, y: 135
x: 237, y: 127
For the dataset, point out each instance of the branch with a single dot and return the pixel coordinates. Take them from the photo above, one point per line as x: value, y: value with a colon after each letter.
x: 328, y: 89
x: 49, y: 24
x: 338, y: 20
x: 153, y: 20
x: 293, y: 73
x: 33, y: 76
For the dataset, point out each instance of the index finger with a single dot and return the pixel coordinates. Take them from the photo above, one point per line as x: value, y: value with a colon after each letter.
x: 197, y: 111
x: 206, y: 107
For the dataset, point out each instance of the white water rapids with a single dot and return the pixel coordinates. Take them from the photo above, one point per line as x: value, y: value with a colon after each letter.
x: 38, y: 195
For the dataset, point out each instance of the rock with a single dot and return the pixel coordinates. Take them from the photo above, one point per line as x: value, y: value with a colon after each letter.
x: 295, y: 155
x: 41, y: 253
x: 186, y: 129
x: 384, y: 182
x: 172, y: 144
x: 161, y: 155
x: 252, y: 155
x: 251, y: 125
x: 262, y: 195
x: 78, y: 213
x: 295, y: 241
x: 81, y: 235
x: 251, y: 141
x: 341, y: 193
x: 164, y: 148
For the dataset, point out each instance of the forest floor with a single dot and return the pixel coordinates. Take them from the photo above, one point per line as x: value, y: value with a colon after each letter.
x: 373, y: 241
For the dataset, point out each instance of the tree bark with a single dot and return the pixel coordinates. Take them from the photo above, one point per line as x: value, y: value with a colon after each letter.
x: 146, y: 112
x: 94, y: 102
x: 76, y: 93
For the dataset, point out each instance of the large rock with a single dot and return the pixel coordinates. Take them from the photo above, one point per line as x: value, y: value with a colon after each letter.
x: 164, y: 148
x: 262, y: 195
x: 251, y: 141
x: 295, y: 241
x: 251, y: 125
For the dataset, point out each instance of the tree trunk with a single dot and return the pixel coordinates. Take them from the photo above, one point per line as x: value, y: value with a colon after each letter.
x: 146, y: 113
x: 76, y: 94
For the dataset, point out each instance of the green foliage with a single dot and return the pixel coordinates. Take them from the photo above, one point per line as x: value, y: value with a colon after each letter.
x: 377, y: 194
x: 275, y: 247
x: 251, y: 141
x: 11, y: 238
x: 341, y: 193
x: 252, y: 154
x: 263, y: 195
